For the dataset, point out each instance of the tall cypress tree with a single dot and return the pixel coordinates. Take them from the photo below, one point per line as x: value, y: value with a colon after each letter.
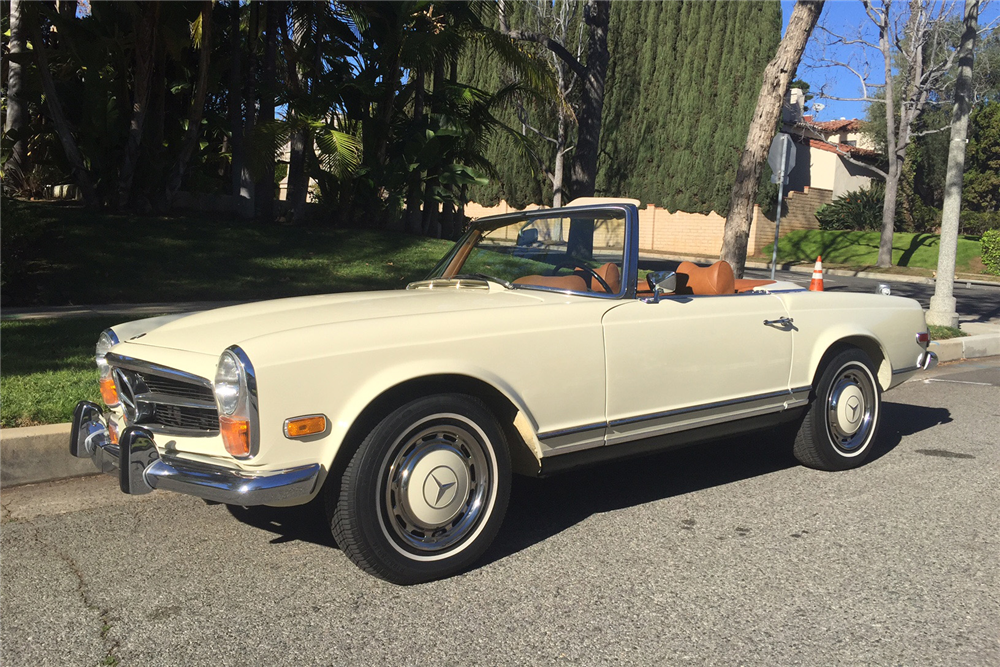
x: 681, y: 87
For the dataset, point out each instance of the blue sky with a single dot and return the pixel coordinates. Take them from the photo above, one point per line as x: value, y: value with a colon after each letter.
x: 842, y: 16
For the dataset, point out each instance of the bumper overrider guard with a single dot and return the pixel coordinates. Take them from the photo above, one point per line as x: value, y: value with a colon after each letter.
x: 141, y: 468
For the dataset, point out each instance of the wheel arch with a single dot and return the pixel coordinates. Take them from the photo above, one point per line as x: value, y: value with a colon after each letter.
x: 512, y: 418
x: 866, y: 342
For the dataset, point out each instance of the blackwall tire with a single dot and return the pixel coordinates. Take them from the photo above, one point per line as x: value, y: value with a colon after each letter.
x: 842, y: 422
x: 426, y: 492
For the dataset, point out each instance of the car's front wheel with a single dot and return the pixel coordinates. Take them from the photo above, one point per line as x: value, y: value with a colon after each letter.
x: 838, y: 430
x: 425, y: 493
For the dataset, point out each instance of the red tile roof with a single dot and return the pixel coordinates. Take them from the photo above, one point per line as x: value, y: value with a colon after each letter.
x: 840, y: 149
x: 848, y: 125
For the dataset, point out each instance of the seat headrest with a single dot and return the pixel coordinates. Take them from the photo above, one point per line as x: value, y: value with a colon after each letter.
x: 715, y: 279
x: 612, y: 276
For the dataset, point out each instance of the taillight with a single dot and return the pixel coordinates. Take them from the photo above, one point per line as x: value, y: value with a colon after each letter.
x: 924, y: 337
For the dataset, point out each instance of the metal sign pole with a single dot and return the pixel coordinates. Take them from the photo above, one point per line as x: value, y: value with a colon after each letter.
x: 777, y: 216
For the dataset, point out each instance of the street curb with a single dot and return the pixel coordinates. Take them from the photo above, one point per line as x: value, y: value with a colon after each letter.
x: 969, y: 347
x: 38, y: 454
x: 41, y: 453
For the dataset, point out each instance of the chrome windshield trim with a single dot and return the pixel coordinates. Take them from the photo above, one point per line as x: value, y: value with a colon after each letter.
x: 133, y: 364
x: 630, y: 250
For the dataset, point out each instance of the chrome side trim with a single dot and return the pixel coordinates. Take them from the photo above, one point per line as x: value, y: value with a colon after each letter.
x: 133, y: 364
x: 697, y: 408
x: 571, y: 431
x: 908, y: 369
x: 639, y: 427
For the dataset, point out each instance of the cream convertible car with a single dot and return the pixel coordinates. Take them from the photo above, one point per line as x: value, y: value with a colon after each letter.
x: 408, y: 411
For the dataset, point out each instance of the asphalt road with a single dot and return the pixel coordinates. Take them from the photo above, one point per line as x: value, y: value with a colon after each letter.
x: 725, y: 554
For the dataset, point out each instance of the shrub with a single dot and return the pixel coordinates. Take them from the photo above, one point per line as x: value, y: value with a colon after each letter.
x: 977, y: 223
x: 991, y: 251
x: 858, y: 210
x: 19, y: 234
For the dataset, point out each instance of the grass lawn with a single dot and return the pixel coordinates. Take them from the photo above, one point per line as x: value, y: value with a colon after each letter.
x: 944, y: 333
x: 48, y: 365
x: 72, y: 256
x: 860, y: 249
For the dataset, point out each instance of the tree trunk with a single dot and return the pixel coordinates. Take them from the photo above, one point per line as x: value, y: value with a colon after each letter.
x: 558, y: 176
x: 414, y: 196
x: 942, y: 310
x: 274, y: 12
x: 246, y: 205
x: 301, y: 138
x: 777, y: 75
x: 17, y: 107
x: 146, y: 25
x: 81, y: 175
x: 431, y: 218
x: 583, y: 170
x: 190, y: 139
x: 236, y: 100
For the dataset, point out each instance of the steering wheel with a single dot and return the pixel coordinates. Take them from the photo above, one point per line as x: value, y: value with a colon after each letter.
x: 574, y: 263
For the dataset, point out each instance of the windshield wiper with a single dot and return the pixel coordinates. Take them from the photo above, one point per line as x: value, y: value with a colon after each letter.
x: 483, y: 276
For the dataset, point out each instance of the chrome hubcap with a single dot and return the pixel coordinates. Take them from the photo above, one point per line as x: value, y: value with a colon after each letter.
x: 437, y: 485
x: 850, y: 409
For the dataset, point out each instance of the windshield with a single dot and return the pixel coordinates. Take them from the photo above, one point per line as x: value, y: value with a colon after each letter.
x: 583, y: 253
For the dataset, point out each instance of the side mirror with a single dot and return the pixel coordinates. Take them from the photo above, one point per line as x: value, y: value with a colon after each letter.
x: 662, y: 282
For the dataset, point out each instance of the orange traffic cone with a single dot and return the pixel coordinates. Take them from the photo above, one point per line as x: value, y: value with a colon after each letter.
x: 816, y: 284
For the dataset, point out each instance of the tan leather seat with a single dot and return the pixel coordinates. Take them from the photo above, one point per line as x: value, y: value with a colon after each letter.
x: 611, y: 274
x: 703, y: 281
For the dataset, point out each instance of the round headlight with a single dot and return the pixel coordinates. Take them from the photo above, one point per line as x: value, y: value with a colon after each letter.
x: 228, y: 379
x: 104, y: 343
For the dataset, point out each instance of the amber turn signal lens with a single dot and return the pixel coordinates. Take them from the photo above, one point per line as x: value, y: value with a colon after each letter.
x: 113, y: 432
x: 299, y: 427
x: 109, y: 394
x: 235, y: 435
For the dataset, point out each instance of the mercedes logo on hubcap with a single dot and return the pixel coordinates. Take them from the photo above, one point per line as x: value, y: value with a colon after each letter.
x: 439, y: 487
x: 853, y: 408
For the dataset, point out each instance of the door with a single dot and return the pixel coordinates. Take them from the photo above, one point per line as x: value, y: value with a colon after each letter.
x: 692, y: 361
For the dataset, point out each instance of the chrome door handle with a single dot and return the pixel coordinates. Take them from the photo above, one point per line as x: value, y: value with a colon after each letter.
x: 783, y: 321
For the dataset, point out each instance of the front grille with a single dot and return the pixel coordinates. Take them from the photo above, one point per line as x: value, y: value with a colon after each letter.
x: 163, y: 385
x: 172, y: 416
x: 166, y: 400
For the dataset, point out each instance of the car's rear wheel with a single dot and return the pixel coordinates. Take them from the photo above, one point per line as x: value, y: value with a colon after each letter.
x: 838, y: 430
x: 425, y: 493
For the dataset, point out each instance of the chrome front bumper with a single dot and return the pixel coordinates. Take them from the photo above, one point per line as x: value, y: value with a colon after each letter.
x: 145, y: 469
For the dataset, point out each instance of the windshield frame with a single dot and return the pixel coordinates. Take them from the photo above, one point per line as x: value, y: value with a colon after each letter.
x: 459, y: 254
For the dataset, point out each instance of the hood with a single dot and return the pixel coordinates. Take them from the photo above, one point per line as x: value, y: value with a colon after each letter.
x: 210, y: 332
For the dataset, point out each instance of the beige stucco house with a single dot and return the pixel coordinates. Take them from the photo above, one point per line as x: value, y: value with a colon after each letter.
x: 823, y: 149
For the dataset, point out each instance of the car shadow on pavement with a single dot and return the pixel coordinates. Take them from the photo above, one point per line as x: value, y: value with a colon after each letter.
x: 541, y: 508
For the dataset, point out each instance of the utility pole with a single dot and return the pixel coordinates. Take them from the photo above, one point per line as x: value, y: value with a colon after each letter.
x: 942, y: 311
